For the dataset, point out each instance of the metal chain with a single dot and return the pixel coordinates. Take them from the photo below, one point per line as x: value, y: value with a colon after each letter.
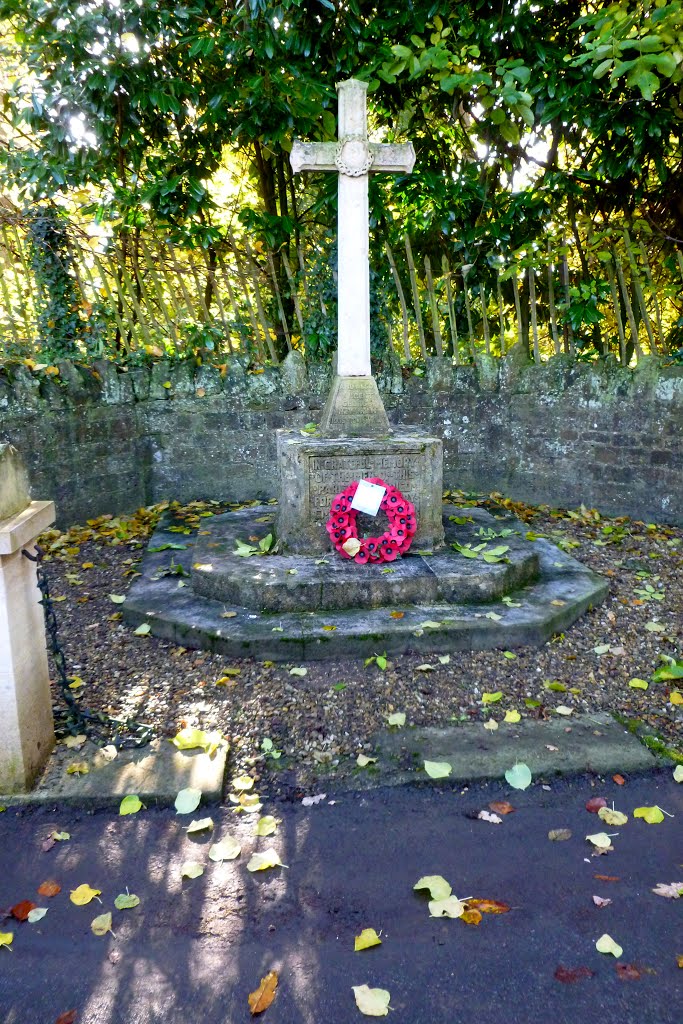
x: 103, y: 729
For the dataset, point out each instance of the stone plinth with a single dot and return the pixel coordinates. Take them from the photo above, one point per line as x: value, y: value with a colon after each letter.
x: 314, y: 469
x: 25, y: 708
x: 354, y: 408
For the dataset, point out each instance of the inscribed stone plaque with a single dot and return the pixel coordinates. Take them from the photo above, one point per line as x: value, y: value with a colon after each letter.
x: 314, y: 470
x: 354, y: 408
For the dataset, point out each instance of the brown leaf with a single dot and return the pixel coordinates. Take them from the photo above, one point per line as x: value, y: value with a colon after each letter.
x: 261, y: 999
x: 607, y: 878
x: 679, y: 959
x: 47, y: 844
x: 22, y: 909
x: 49, y: 888
x: 571, y: 974
x: 68, y: 1017
x: 470, y: 917
x: 558, y: 835
x: 627, y: 972
x: 619, y: 779
x: 501, y: 807
x: 396, y: 615
x: 595, y: 803
x: 488, y: 906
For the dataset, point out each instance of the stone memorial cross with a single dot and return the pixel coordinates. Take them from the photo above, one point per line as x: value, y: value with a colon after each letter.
x: 353, y: 157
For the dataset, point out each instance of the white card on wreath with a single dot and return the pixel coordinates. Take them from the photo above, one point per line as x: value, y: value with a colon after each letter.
x: 368, y: 497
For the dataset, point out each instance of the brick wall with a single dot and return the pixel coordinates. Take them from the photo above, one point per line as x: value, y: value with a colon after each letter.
x: 561, y: 433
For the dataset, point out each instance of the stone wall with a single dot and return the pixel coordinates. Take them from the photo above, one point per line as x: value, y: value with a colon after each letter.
x: 562, y: 433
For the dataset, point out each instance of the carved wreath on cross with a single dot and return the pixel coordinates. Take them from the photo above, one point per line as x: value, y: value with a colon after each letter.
x: 343, y: 529
x: 352, y: 156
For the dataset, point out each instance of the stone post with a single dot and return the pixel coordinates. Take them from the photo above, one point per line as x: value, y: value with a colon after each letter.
x: 25, y: 708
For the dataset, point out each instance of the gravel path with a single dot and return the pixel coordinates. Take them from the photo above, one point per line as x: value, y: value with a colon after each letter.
x: 321, y: 721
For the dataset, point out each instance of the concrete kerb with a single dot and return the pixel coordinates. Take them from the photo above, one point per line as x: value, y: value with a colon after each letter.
x: 593, y: 744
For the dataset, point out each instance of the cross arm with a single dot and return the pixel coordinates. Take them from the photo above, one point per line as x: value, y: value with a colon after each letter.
x: 313, y: 156
x: 392, y: 157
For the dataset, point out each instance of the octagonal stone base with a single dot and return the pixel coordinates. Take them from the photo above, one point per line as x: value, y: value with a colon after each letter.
x: 315, y: 469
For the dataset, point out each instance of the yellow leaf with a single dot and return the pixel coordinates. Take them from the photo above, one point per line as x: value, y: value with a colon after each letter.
x: 6, y: 939
x: 242, y: 783
x: 512, y: 716
x: 363, y: 760
x: 268, y: 859
x: 227, y: 849
x: 612, y: 817
x: 606, y: 944
x: 78, y: 768
x: 438, y: 887
x: 398, y: 719
x: 261, y: 999
x: 638, y: 684
x: 83, y: 894
x: 438, y: 769
x: 367, y: 938
x: 652, y: 815
x: 491, y: 698
x: 352, y: 546
x: 448, y: 907
x: 102, y: 924
x: 491, y: 725
x: 265, y: 826
x: 188, y: 739
x: 373, y: 1002
x: 191, y: 869
x: 600, y: 839
x: 676, y: 697
x: 167, y: 384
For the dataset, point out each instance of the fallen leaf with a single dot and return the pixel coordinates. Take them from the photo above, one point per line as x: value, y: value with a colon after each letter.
x: 611, y: 817
x: 492, y: 818
x: 450, y: 906
x: 60, y: 837
x: 501, y: 807
x: 678, y: 773
x: 519, y: 776
x: 437, y: 769
x: 627, y: 972
x: 191, y: 869
x: 652, y: 815
x: 550, y: 747
x: 424, y: 668
x: 37, y: 914
x: 595, y: 803
x: 130, y: 804
x: 444, y: 659
x: 606, y: 944
x: 397, y: 719
x: 249, y: 803
x: 126, y: 900
x: 351, y: 546
x: 102, y: 924
x: 676, y: 697
x: 600, y: 901
x: 78, y: 768
x: 242, y: 783
x: 143, y: 630
x: 117, y: 598
x: 200, y: 825
x: 189, y: 739
x: 600, y: 839
x: 430, y: 625
x: 655, y: 627
x: 6, y: 939
x: 562, y: 709
x: 491, y: 698
x: 262, y: 997
x: 491, y: 725
x: 21, y: 910
x: 83, y: 894
x: 49, y: 888
x: 679, y: 959
x: 227, y: 849
x: 309, y: 801
x: 512, y: 716
x: 228, y: 615
x: 438, y: 887
x: 267, y: 859
x: 187, y: 801
x: 607, y: 878
x: 298, y: 671
x: 68, y: 1017
x: 672, y: 891
x: 638, y: 684
x: 373, y: 1002
x: 488, y: 906
x: 559, y: 835
x: 619, y: 779
x: 363, y: 760
x: 568, y: 975
x: 265, y: 826
x: 396, y: 615
x: 367, y: 938
x: 74, y: 741
x: 471, y: 917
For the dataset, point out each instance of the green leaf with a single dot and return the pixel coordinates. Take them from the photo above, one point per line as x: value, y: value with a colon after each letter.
x: 227, y: 849
x: 491, y: 698
x: 652, y: 815
x: 191, y: 869
x: 200, y: 825
x: 638, y: 684
x: 606, y: 944
x: 438, y: 887
x: 143, y: 630
x: 126, y: 901
x: 366, y: 940
x: 519, y: 776
x: 169, y: 546
x: 188, y: 800
x: 438, y: 769
x: 131, y: 805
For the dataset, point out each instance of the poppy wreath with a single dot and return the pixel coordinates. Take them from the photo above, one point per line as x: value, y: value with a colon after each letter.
x: 400, y: 512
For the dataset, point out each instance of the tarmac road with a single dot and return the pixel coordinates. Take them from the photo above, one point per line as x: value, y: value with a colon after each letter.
x: 193, y: 950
